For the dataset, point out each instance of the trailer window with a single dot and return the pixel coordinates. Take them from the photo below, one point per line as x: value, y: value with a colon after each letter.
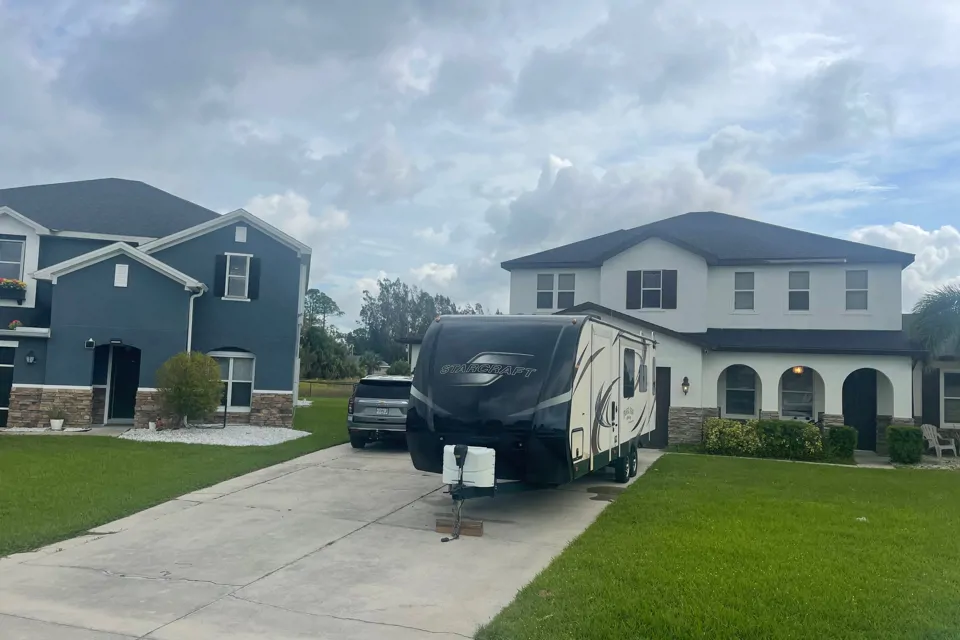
x: 629, y: 369
x: 641, y: 385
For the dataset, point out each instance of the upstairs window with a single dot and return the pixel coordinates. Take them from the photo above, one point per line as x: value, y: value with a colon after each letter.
x: 237, y: 277
x: 743, y: 290
x: 799, y: 293
x: 857, y: 290
x: 545, y: 291
x: 563, y: 293
x: 652, y: 289
x: 11, y: 259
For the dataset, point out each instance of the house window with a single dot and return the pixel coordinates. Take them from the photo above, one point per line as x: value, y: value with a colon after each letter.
x: 796, y: 396
x: 236, y: 374
x: 545, y: 291
x: 951, y: 398
x: 629, y: 372
x: 11, y: 259
x: 743, y: 290
x: 565, y: 285
x: 240, y: 233
x: 564, y: 291
x: 857, y: 290
x: 238, y: 275
x: 652, y: 289
x: 741, y: 393
x: 799, y: 294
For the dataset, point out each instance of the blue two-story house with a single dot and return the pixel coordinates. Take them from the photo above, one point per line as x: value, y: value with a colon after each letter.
x: 120, y: 276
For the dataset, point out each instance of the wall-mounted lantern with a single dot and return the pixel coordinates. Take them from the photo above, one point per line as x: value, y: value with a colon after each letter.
x: 31, y: 357
x: 685, y: 385
x: 798, y: 370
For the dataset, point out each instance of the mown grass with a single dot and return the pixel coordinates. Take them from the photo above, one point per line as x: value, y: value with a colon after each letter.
x: 713, y: 547
x: 55, y: 487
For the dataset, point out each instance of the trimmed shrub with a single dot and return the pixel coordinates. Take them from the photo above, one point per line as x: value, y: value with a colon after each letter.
x: 399, y: 368
x: 730, y: 437
x: 905, y: 444
x: 790, y: 439
x: 841, y: 442
x: 189, y: 385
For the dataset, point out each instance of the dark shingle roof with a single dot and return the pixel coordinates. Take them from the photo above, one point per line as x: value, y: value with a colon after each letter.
x: 720, y: 238
x: 838, y: 341
x: 108, y: 205
x: 810, y: 341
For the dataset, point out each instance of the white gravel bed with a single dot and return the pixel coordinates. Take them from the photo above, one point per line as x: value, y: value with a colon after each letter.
x: 930, y: 462
x: 304, y: 403
x: 229, y: 436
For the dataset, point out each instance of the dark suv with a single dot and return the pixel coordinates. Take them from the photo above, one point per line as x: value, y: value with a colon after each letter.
x: 378, y: 409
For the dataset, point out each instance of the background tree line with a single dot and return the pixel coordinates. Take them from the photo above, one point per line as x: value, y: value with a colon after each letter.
x: 397, y: 311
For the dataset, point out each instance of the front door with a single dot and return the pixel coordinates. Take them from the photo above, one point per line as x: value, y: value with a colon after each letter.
x: 657, y: 439
x: 860, y: 406
x: 124, y: 380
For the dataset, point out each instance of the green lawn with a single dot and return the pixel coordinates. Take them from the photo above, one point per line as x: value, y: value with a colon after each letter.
x: 55, y: 487
x: 712, y: 547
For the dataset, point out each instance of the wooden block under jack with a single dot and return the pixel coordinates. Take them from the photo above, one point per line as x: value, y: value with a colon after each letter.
x: 467, y: 527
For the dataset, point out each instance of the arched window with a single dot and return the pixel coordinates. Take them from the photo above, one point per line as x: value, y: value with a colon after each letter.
x: 236, y: 373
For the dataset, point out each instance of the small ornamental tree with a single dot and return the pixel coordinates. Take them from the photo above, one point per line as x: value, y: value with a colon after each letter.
x: 399, y: 368
x: 189, y: 385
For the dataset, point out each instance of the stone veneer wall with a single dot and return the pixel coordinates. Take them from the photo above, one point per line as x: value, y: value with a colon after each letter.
x: 99, y: 404
x: 832, y: 419
x: 685, y: 424
x: 769, y: 415
x: 272, y: 409
x: 233, y: 417
x: 25, y: 407
x: 147, y: 408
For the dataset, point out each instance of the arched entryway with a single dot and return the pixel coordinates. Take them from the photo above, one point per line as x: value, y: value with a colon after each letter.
x: 801, y: 393
x: 116, y: 370
x: 739, y: 392
x: 867, y: 394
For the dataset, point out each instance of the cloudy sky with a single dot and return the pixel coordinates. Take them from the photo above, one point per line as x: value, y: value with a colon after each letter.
x: 430, y: 140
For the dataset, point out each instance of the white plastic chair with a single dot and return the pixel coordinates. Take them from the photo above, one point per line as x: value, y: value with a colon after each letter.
x: 936, y: 442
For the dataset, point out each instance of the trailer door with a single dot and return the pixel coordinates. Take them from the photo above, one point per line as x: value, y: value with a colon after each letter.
x: 603, y: 372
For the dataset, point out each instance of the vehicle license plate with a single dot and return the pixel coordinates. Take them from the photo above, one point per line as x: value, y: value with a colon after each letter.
x: 382, y: 411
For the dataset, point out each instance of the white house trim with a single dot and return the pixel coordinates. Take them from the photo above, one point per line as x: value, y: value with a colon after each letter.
x: 84, y: 235
x: 19, y: 217
x: 240, y: 215
x: 17, y: 385
x: 112, y: 250
x: 277, y: 392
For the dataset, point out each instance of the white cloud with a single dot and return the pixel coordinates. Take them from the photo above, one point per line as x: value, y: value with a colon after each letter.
x: 370, y: 283
x: 937, y: 254
x: 438, y: 274
x: 432, y: 235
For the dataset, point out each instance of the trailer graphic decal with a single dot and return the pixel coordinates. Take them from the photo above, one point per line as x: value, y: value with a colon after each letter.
x: 486, y: 368
x: 600, y: 416
x: 586, y: 366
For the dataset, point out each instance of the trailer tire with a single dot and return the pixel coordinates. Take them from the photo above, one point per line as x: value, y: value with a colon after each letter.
x: 634, y: 463
x: 358, y: 441
x: 621, y: 470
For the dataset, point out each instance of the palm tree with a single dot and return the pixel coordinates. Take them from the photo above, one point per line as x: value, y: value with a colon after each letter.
x: 937, y: 322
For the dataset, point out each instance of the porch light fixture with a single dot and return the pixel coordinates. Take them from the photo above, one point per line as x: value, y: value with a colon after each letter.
x: 30, y: 357
x: 685, y: 385
x: 798, y: 370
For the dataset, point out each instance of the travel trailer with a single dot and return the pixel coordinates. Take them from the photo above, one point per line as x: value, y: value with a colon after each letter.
x: 546, y: 399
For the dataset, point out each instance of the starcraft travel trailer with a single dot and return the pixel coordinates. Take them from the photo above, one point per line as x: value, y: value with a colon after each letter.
x: 553, y: 397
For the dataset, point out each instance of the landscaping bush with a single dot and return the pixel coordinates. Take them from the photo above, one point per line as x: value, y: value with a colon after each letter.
x: 790, y: 439
x: 841, y: 442
x: 730, y: 437
x: 399, y: 368
x: 905, y: 444
x: 188, y: 384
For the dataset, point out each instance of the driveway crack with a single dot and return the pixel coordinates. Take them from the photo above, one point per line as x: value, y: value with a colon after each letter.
x: 133, y: 576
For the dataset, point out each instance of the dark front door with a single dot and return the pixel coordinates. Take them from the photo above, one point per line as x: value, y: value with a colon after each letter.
x: 7, y: 355
x: 860, y: 406
x: 657, y: 439
x: 124, y: 380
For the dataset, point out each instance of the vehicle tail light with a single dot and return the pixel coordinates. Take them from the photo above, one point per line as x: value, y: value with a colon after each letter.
x: 353, y: 396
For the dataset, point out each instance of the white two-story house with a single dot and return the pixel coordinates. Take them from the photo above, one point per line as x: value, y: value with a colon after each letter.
x: 752, y: 320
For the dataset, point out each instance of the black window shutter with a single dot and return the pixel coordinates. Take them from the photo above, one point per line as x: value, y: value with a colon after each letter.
x: 220, y: 277
x: 669, y: 284
x: 633, y: 289
x: 253, y: 287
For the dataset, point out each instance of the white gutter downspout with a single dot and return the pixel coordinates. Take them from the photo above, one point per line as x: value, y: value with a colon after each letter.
x: 190, y: 318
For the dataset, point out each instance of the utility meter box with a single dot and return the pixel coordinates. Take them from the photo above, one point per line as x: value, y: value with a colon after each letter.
x: 479, y: 467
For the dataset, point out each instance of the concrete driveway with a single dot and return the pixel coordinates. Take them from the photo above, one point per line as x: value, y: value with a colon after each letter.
x: 336, y: 544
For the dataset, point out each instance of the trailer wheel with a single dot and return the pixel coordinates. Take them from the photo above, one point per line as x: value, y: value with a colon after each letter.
x: 621, y: 470
x: 357, y: 441
x: 634, y: 464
